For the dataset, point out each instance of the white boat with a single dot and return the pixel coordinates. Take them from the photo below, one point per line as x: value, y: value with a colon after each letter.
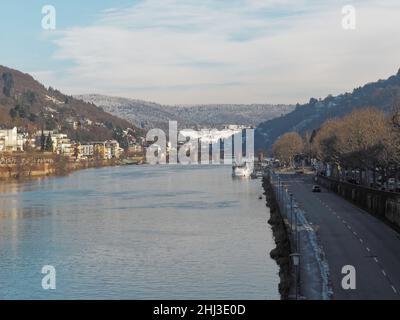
x: 242, y: 170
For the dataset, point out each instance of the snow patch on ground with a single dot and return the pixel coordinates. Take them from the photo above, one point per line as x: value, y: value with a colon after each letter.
x: 312, y: 247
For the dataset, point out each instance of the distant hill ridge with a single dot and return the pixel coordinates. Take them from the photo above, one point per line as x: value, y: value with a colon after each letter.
x: 152, y: 115
x: 310, y: 116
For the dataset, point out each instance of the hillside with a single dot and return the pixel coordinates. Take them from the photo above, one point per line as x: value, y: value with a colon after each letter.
x: 141, y: 113
x: 152, y: 115
x: 27, y: 104
x: 310, y: 116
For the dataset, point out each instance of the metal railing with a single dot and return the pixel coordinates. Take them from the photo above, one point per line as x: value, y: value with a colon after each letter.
x: 286, y: 202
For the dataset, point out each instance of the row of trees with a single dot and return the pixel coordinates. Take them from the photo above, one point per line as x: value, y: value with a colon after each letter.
x: 46, y: 143
x: 363, y: 146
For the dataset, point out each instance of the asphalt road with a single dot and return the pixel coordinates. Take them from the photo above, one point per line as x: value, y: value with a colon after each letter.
x: 351, y: 236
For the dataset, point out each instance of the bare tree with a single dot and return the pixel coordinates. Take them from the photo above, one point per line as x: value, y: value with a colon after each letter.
x: 287, y: 147
x: 361, y: 141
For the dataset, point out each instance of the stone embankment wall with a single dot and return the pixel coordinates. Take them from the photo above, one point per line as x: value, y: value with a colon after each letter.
x: 31, y: 165
x: 281, y: 254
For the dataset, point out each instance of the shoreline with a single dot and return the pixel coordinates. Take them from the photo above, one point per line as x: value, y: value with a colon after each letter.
x: 281, y: 253
x: 311, y: 280
x: 26, y: 167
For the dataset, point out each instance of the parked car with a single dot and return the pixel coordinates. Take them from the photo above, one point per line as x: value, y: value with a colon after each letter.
x: 316, y: 189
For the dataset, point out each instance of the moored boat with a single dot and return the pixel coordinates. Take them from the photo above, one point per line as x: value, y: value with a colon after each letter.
x: 242, y: 170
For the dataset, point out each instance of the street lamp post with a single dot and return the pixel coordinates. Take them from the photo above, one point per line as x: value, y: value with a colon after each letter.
x: 298, y: 235
x: 279, y: 188
x: 296, y: 262
x: 291, y: 214
x: 296, y: 231
x: 288, y: 202
x: 284, y: 201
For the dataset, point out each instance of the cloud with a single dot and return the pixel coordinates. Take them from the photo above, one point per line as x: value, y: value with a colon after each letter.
x: 238, y: 51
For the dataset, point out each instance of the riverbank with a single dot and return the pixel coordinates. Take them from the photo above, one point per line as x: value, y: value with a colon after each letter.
x: 281, y: 254
x: 21, y: 166
x: 311, y: 278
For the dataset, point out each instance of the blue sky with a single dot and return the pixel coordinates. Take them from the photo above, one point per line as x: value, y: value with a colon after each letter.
x: 203, y: 51
x: 28, y: 46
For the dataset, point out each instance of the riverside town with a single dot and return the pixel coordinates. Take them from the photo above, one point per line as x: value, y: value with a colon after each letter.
x: 46, y: 152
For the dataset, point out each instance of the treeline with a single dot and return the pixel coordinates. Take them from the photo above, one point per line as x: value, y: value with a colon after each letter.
x: 362, y: 147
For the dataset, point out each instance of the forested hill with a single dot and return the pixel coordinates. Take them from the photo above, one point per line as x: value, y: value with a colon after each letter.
x: 150, y: 115
x: 380, y: 94
x: 28, y: 105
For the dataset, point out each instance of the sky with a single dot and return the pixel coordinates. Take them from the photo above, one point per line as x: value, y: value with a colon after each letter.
x: 203, y: 51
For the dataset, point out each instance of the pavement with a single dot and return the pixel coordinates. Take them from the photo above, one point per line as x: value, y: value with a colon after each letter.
x: 347, y: 236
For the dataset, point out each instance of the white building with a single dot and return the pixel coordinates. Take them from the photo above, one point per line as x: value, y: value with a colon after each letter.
x: 114, y: 149
x: 11, y: 140
x: 61, y: 143
x: 107, y: 150
x: 87, y: 150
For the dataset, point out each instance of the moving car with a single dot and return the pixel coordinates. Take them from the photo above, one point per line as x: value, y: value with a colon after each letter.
x: 316, y: 189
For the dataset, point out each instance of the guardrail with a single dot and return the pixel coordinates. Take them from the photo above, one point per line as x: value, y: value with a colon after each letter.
x: 287, y: 207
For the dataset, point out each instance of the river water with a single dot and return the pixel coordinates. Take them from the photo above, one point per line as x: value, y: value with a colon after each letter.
x: 138, y: 232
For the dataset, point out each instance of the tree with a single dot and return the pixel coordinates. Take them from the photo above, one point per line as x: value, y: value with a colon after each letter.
x: 23, y: 105
x: 395, y: 128
x: 42, y: 142
x: 287, y: 147
x: 307, y: 144
x: 49, y: 143
x: 360, y: 141
x: 76, y: 151
x: 33, y: 117
x: 121, y: 137
x: 13, y: 113
x: 8, y: 87
x: 29, y: 97
x: 364, y: 141
x: 325, y: 143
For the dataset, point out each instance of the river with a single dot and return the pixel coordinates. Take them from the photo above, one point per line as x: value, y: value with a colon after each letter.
x: 137, y: 232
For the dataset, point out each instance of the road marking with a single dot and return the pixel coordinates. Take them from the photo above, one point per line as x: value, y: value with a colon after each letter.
x: 361, y: 241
